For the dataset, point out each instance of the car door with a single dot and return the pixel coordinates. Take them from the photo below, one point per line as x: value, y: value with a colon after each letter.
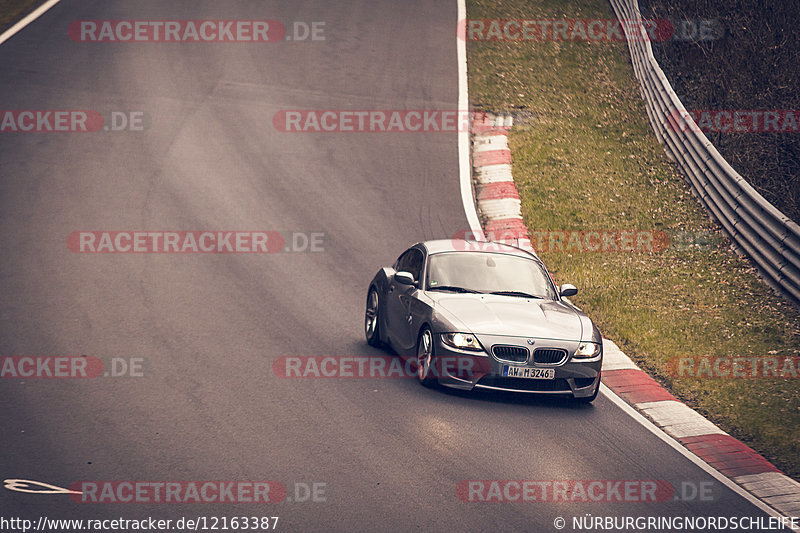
x: 400, y: 300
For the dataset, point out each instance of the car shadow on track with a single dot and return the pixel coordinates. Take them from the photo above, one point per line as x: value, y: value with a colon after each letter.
x: 516, y: 398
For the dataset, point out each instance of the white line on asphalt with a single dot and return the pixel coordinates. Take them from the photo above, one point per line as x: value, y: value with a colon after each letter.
x: 36, y: 13
x: 464, y: 167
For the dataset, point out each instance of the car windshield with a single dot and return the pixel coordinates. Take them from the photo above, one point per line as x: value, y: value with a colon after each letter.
x: 489, y: 273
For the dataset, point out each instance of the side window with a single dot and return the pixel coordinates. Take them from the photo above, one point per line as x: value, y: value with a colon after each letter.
x: 415, y: 264
x: 402, y: 262
x: 410, y: 261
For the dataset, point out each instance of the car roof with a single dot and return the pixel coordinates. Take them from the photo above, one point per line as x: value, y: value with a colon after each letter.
x: 461, y: 245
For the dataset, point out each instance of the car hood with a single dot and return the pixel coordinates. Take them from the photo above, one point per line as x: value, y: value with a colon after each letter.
x: 488, y: 314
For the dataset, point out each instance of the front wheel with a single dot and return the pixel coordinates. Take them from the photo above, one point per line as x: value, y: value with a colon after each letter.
x: 426, y: 359
x: 372, y: 319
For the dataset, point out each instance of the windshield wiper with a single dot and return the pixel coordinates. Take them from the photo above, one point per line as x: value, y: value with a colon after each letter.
x: 453, y: 288
x: 517, y: 293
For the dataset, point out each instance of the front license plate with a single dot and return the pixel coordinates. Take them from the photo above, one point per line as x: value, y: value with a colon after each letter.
x: 528, y: 373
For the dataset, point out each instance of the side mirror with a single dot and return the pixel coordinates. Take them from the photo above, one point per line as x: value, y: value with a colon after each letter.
x: 404, y: 278
x: 567, y: 290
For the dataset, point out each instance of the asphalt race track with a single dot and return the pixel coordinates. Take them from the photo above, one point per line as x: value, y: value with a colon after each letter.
x: 386, y: 454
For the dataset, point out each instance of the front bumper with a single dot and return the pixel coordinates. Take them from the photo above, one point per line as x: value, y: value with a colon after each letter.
x: 461, y: 369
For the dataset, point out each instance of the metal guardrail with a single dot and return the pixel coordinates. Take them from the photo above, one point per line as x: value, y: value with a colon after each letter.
x: 758, y: 229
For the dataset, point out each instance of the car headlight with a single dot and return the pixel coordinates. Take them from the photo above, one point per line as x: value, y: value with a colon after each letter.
x: 588, y: 349
x: 462, y: 341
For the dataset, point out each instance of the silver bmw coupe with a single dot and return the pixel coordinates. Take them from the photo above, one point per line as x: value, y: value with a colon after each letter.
x: 484, y: 315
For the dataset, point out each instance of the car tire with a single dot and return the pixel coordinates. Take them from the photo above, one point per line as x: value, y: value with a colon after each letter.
x: 426, y: 358
x: 589, y: 399
x: 372, y: 322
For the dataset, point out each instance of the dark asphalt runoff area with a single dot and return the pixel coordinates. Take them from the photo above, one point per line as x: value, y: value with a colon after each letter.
x: 385, y: 454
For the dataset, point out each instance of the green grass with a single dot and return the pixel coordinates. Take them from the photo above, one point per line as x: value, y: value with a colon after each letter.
x: 585, y: 158
x: 13, y: 10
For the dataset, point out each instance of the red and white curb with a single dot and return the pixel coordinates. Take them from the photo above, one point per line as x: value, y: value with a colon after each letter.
x: 498, y: 206
x: 497, y: 198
